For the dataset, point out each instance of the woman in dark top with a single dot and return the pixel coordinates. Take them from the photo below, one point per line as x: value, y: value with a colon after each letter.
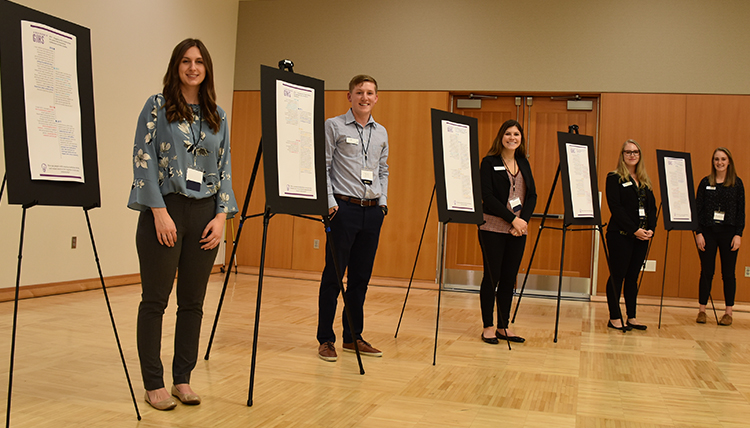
x: 508, y: 200
x: 633, y: 208
x: 721, y: 218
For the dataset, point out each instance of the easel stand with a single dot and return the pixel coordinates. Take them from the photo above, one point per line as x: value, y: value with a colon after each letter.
x: 565, y: 228
x: 15, y: 308
x: 267, y: 215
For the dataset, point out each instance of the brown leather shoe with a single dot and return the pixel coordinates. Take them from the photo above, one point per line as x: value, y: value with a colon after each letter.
x: 166, y: 404
x: 327, y: 352
x: 726, y: 320
x: 701, y: 318
x: 364, y: 349
x: 193, y: 399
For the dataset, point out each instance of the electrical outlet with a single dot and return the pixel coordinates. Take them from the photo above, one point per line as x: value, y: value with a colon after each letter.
x: 316, y: 243
x: 747, y: 271
x: 649, y: 266
x: 74, y: 242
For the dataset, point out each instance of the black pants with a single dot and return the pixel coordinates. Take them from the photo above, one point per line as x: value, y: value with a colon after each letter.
x: 718, y: 237
x: 355, y: 232
x: 158, y: 266
x: 501, y: 255
x: 626, y: 255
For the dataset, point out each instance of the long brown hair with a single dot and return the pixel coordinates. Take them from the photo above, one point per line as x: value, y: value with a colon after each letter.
x: 640, y: 167
x: 497, y: 143
x: 177, y: 109
x: 731, y: 173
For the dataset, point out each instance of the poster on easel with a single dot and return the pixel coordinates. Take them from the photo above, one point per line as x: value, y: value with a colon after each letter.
x: 578, y: 172
x: 292, y: 109
x: 456, y: 160
x: 677, y: 191
x: 49, y: 131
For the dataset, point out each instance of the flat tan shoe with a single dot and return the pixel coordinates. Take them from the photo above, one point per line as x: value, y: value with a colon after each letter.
x: 165, y: 404
x: 701, y: 318
x: 726, y: 320
x: 193, y: 399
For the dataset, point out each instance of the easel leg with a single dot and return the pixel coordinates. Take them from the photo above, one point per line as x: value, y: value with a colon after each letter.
x: 15, y: 319
x: 414, y: 268
x: 266, y: 218
x: 663, y: 279
x: 714, y: 308
x: 559, y: 283
x: 111, y: 316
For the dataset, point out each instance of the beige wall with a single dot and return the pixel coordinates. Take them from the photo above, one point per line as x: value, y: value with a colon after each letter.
x: 131, y: 44
x: 665, y: 46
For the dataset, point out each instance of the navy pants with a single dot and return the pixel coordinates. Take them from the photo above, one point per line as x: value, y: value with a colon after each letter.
x: 718, y: 237
x: 159, y: 264
x: 626, y: 255
x: 355, y: 232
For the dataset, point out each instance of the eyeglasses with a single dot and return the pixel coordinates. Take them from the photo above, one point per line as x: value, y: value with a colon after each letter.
x: 631, y: 152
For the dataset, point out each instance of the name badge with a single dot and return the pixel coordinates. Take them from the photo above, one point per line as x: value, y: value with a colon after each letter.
x: 367, y: 176
x: 500, y: 168
x: 710, y: 188
x: 642, y: 212
x: 627, y: 184
x: 515, y: 204
x: 352, y: 140
x: 718, y: 216
x: 194, y: 179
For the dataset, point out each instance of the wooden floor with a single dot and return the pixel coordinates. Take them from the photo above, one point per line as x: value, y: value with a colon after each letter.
x: 68, y: 371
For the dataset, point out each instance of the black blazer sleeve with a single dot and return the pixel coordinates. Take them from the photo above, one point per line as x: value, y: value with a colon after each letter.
x: 651, y: 209
x: 623, y: 205
x: 740, y: 214
x: 496, y: 188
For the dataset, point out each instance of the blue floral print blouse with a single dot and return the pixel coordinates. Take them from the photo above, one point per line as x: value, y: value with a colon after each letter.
x: 164, y: 151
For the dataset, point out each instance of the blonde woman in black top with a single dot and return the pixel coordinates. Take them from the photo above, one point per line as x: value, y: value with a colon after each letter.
x: 633, y: 207
x: 720, y: 203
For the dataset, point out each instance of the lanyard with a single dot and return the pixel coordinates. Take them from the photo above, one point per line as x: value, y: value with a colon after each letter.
x: 196, y: 140
x: 362, y: 139
x: 512, y: 176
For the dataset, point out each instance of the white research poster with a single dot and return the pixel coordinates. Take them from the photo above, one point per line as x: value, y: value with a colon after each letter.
x: 295, y: 145
x: 580, y: 180
x: 679, y: 198
x: 53, y: 112
x: 459, y: 192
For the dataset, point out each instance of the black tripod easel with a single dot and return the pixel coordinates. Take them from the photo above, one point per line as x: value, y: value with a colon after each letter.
x: 440, y: 278
x: 566, y: 227
x: 267, y: 215
x: 15, y: 306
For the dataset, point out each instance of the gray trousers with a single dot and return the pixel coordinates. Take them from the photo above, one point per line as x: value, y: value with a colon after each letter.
x: 159, y: 264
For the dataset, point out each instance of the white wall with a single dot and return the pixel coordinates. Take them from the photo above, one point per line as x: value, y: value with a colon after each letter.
x: 131, y: 44
x: 666, y: 46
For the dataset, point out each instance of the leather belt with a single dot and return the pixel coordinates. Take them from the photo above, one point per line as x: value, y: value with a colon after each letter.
x: 360, y: 202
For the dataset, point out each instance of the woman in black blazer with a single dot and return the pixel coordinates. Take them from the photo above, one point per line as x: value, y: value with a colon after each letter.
x: 508, y: 200
x: 631, y: 202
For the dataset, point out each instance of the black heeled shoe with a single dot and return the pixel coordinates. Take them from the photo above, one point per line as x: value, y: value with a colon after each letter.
x: 636, y: 326
x: 516, y: 339
x: 490, y: 340
x: 624, y: 328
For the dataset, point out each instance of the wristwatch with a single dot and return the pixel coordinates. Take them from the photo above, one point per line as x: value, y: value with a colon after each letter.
x: 384, y: 208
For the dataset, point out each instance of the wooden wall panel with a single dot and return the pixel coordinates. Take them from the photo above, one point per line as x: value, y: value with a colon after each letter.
x: 406, y: 115
x: 716, y: 121
x: 656, y: 121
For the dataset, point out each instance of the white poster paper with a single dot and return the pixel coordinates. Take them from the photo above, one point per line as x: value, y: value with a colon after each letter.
x: 580, y: 180
x: 459, y: 191
x: 677, y: 189
x: 295, y: 145
x: 53, y: 111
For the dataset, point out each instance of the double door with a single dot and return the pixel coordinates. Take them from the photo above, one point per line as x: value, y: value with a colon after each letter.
x: 541, y: 116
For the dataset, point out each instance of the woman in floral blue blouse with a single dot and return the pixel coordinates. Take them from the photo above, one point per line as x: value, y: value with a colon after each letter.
x: 183, y: 188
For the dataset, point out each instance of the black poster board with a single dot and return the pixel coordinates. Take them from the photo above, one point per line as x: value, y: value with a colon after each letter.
x: 581, y: 206
x: 269, y: 79
x: 22, y: 190
x: 452, y: 212
x: 677, y: 195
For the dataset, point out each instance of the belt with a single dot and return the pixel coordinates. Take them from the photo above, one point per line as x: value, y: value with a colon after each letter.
x: 360, y: 202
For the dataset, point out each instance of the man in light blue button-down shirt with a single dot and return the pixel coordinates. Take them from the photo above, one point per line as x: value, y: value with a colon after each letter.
x: 357, y: 179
